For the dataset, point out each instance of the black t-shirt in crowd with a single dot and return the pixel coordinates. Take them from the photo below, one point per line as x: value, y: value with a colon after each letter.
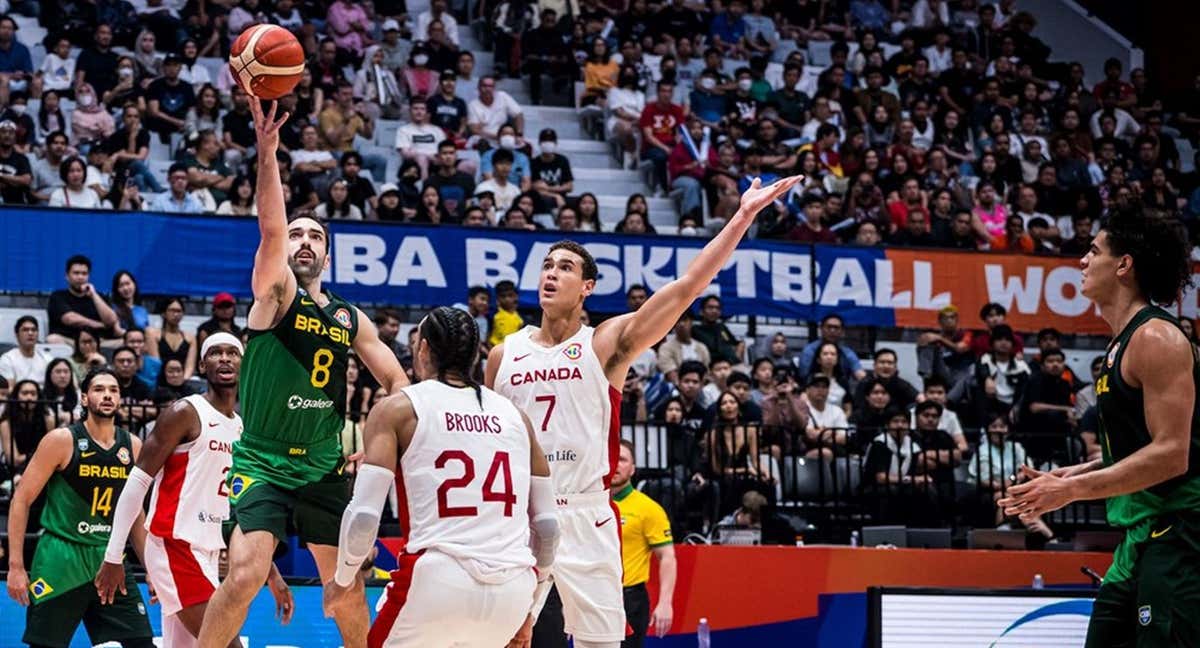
x: 118, y: 140
x: 63, y: 302
x: 879, y: 460
x: 359, y: 192
x: 211, y: 325
x: 289, y: 133
x: 454, y: 189
x: 173, y: 100
x: 240, y: 128
x: 302, y: 188
x: 933, y: 440
x: 15, y: 163
x: 99, y: 69
x: 135, y: 392
x: 448, y: 114
x: 554, y: 172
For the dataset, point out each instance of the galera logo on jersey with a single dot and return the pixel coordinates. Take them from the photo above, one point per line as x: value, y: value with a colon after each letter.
x: 298, y: 402
x: 85, y: 529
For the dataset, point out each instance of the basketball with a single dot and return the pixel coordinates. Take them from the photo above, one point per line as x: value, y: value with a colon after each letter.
x: 266, y: 60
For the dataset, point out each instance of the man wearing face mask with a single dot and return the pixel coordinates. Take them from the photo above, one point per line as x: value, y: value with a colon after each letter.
x: 16, y: 176
x: 706, y: 101
x: 741, y: 105
x: 552, y: 177
x: 519, y: 175
x: 17, y: 113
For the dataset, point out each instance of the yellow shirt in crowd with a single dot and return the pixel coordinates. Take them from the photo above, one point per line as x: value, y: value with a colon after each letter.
x: 504, y: 323
x: 644, y: 527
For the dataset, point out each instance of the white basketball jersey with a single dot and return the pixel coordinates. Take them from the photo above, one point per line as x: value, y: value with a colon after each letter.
x: 464, y: 480
x: 190, y: 501
x: 575, y: 411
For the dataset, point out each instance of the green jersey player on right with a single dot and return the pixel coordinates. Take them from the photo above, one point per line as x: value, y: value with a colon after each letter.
x: 1150, y: 436
x: 288, y: 474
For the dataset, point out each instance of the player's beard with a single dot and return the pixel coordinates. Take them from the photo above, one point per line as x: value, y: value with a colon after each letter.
x: 307, y: 272
x: 97, y: 414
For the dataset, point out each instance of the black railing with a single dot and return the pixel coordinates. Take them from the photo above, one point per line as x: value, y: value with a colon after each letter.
x: 824, y: 485
x: 828, y: 485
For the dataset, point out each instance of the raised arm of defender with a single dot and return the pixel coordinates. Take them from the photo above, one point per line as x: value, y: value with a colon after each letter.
x: 272, y: 281
x: 619, y: 340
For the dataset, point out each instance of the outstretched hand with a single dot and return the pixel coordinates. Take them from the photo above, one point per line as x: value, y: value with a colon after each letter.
x: 1042, y: 493
x: 266, y: 127
x: 757, y: 197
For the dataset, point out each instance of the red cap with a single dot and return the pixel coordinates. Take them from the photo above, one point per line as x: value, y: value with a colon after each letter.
x: 222, y: 298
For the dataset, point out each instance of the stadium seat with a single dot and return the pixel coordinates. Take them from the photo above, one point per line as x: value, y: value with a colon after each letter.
x: 385, y: 132
x: 213, y: 65
x: 818, y: 52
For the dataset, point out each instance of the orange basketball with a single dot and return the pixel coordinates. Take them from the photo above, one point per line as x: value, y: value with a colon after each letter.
x: 267, y: 61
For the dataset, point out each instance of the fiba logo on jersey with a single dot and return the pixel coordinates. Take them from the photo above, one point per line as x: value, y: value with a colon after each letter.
x: 1112, y: 355
x: 343, y: 317
x: 123, y: 456
x: 574, y: 351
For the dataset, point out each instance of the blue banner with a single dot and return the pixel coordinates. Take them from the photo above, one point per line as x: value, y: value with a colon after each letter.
x: 389, y: 263
x: 308, y: 628
x: 381, y: 263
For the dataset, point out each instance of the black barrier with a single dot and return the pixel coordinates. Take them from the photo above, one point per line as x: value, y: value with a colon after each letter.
x: 823, y: 485
x: 830, y: 484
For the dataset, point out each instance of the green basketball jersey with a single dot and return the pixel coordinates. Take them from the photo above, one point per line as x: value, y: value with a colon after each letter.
x: 1123, y: 431
x: 78, y: 513
x: 293, y: 378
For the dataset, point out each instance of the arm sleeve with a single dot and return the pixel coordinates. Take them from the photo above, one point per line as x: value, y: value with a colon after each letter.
x: 129, y: 505
x: 360, y: 522
x: 543, y: 519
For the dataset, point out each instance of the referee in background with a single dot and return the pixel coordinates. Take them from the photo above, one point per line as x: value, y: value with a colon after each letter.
x: 645, y: 530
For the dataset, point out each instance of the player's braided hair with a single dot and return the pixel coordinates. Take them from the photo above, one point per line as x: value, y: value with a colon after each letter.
x: 453, y: 340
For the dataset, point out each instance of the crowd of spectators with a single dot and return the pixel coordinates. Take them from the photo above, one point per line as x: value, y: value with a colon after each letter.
x: 926, y: 123
x: 922, y: 124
